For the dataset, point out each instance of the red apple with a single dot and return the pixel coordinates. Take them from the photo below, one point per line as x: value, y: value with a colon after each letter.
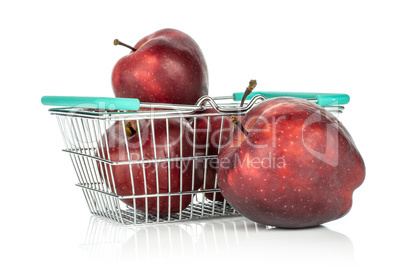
x: 163, y: 177
x: 297, y: 166
x: 164, y: 67
x: 212, y: 130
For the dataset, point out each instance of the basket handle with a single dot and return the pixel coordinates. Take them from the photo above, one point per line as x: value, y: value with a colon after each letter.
x: 323, y: 99
x: 92, y: 102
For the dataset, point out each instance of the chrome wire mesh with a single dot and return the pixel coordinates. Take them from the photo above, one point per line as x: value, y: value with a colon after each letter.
x: 85, y: 136
x: 87, y: 145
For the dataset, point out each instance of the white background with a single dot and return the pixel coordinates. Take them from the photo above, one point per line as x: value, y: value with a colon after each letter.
x: 56, y: 48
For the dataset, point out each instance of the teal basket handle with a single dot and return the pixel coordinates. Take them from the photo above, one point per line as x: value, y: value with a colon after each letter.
x: 92, y: 102
x: 323, y: 99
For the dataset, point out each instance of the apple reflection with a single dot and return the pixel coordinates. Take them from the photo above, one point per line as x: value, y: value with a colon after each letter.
x: 231, y: 240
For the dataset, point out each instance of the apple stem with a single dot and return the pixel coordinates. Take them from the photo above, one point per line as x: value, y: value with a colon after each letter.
x: 252, y: 84
x: 238, y: 124
x: 117, y: 42
x: 129, y: 129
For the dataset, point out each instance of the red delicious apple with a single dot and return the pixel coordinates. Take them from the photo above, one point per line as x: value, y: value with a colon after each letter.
x: 164, y: 67
x: 212, y: 130
x: 297, y: 167
x: 163, y: 177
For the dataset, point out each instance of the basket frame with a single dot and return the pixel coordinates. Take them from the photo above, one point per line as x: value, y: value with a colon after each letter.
x: 82, y: 129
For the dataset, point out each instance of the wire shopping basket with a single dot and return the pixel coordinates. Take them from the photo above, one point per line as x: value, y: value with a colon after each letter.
x: 144, y: 163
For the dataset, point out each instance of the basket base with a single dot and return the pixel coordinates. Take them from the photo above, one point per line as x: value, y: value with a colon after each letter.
x: 198, y: 210
x: 110, y: 206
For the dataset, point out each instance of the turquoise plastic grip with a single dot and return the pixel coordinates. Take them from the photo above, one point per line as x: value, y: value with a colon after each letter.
x: 323, y: 99
x: 92, y: 102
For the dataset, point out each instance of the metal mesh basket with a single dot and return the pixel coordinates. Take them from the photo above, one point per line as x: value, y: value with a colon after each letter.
x: 165, y: 173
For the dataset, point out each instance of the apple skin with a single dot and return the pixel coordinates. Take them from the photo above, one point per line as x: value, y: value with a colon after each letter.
x: 167, y: 67
x: 121, y: 173
x: 297, y: 167
x: 219, y: 129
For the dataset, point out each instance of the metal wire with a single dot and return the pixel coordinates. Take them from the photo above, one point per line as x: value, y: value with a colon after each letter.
x: 85, y: 138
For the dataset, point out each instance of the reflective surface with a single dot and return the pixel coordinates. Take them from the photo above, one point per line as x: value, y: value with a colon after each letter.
x: 227, y: 241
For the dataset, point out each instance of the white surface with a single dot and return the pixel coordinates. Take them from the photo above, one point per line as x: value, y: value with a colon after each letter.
x: 49, y: 48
